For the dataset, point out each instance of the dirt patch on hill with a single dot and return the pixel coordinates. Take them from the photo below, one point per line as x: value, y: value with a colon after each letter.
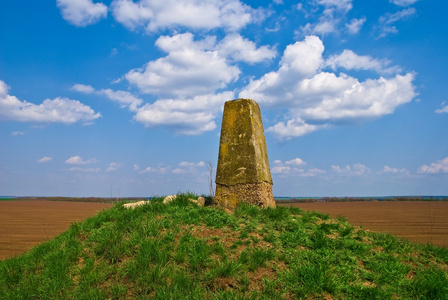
x: 24, y: 224
x: 419, y: 221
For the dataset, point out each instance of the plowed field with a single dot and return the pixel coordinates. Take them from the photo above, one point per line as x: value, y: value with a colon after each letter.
x: 423, y: 222
x: 24, y: 224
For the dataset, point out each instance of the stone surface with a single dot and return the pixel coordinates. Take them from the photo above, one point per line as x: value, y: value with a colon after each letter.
x: 243, y: 173
x: 259, y: 194
x: 169, y: 199
x: 135, y: 204
x: 199, y: 202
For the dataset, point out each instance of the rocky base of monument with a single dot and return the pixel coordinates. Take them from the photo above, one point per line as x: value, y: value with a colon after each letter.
x: 259, y: 194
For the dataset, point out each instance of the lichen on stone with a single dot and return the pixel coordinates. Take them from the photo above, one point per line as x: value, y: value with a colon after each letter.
x: 243, y: 158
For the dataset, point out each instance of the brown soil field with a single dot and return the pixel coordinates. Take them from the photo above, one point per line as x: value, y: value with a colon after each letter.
x: 419, y: 221
x: 24, y: 224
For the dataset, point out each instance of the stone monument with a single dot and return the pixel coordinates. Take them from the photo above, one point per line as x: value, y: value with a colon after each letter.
x: 243, y: 173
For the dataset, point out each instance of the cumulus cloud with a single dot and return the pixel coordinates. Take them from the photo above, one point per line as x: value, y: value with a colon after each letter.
x: 78, y: 160
x: 444, y: 108
x: 189, y: 117
x: 403, y: 2
x: 300, y: 61
x: 82, y: 88
x: 351, y: 61
x: 356, y: 169
x: 58, y: 110
x: 84, y: 170
x: 191, y: 164
x: 294, y: 167
x: 189, y: 79
x: 389, y: 170
x: 188, y: 69
x: 295, y: 162
x: 186, y: 167
x: 440, y: 166
x: 292, y: 128
x: 317, y: 99
x: 82, y: 12
x: 125, y: 98
x: 156, y: 170
x: 113, y: 166
x: 238, y: 48
x: 194, y: 14
x: 44, y: 159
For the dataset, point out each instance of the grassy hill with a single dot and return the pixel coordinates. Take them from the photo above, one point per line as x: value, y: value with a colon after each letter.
x: 181, y: 251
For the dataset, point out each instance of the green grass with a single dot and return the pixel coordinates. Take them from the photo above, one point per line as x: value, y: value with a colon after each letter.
x: 181, y: 251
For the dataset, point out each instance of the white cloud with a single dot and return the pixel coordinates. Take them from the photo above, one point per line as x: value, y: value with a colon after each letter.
x: 441, y: 166
x: 321, y: 28
x: 356, y: 169
x: 403, y: 2
x: 300, y: 60
x: 82, y: 88
x: 189, y: 78
x: 84, y: 170
x: 82, y: 12
x: 351, y: 61
x: 346, y: 99
x: 355, y: 25
x: 194, y: 14
x: 387, y: 169
x: 44, y: 159
x: 190, y: 117
x: 386, y: 22
x: 444, y: 108
x: 17, y: 133
x: 186, y: 167
x: 292, y: 128
x: 78, y: 160
x: 136, y: 167
x: 332, y: 12
x: 113, y: 166
x: 188, y: 69
x: 191, y: 164
x: 156, y: 170
x: 125, y: 98
x: 317, y: 99
x: 342, y: 5
x: 313, y: 172
x: 398, y: 16
x: 241, y: 49
x: 295, y: 162
x: 293, y: 168
x: 179, y: 171
x: 58, y: 110
x: 280, y: 170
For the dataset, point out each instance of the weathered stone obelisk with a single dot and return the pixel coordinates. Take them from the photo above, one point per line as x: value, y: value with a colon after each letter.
x: 243, y: 173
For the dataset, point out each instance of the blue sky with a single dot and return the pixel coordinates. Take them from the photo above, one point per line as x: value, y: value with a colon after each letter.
x: 125, y: 98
